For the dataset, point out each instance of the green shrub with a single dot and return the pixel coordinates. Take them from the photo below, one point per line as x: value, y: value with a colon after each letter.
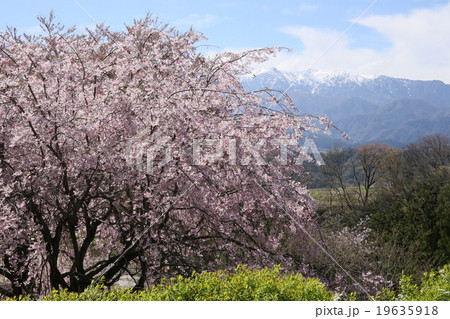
x: 435, y: 286
x: 244, y: 284
x: 250, y: 284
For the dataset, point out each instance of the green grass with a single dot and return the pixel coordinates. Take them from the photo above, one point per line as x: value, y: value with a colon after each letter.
x: 325, y: 196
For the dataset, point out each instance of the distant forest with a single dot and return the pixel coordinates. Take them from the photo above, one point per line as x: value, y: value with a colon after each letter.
x: 394, y: 200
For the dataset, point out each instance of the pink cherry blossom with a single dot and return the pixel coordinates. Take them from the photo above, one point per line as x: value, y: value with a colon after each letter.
x: 78, y: 113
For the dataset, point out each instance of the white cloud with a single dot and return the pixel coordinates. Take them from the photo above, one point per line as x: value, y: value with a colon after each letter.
x: 420, y: 47
x: 420, y: 40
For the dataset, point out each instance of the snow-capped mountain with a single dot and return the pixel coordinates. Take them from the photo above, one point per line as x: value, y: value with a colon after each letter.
x: 311, y: 78
x: 368, y: 108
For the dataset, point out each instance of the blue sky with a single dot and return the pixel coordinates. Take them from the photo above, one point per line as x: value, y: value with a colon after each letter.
x: 402, y: 38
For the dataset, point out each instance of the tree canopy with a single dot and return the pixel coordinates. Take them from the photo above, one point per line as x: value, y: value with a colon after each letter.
x: 88, y: 122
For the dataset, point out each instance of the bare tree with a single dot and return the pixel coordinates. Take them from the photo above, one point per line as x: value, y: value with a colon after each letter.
x: 336, y: 170
x: 427, y: 155
x: 367, y: 168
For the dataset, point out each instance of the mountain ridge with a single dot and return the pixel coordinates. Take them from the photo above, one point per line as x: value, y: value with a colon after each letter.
x: 368, y: 108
